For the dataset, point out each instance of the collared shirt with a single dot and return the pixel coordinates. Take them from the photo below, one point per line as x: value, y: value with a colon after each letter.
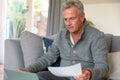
x: 71, y: 39
x: 90, y: 50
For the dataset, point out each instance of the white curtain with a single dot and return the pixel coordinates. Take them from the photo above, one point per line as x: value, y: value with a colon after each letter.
x: 55, y: 18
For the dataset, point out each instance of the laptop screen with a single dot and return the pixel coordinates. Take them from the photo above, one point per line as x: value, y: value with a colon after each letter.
x: 17, y: 75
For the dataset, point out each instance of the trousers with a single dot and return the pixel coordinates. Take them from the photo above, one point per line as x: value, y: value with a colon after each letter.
x: 46, y: 75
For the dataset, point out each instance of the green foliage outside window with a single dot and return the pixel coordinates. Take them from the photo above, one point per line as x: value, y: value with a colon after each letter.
x: 16, y: 14
x: 39, y: 5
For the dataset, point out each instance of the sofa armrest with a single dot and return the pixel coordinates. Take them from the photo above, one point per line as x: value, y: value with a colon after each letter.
x: 13, y: 58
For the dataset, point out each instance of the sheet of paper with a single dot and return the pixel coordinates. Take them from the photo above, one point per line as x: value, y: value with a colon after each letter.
x: 68, y: 71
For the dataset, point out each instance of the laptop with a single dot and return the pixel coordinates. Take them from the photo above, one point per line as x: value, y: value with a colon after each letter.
x: 17, y: 75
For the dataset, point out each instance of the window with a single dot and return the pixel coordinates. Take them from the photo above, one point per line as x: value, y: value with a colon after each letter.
x: 28, y: 15
x: 40, y: 17
x: 16, y: 18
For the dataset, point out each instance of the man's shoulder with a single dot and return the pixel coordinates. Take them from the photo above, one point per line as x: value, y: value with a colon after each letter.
x: 93, y: 29
x: 61, y: 34
x: 93, y: 32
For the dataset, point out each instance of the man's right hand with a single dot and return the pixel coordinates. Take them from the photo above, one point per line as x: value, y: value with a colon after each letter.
x: 23, y: 70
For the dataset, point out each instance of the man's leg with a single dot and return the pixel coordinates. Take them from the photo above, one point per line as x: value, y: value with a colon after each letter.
x: 46, y: 75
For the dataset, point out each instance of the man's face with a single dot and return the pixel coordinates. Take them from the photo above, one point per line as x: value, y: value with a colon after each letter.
x: 73, y: 20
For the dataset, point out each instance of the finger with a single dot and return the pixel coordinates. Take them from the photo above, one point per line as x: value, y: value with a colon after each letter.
x: 78, y: 77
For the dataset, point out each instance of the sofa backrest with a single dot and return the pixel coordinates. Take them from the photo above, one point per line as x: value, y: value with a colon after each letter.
x: 108, y: 38
x: 113, y: 42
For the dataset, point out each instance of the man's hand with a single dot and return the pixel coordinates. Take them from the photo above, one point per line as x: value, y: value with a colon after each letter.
x: 23, y: 70
x: 86, y: 75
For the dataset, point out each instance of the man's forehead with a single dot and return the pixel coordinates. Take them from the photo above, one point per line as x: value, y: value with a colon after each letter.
x: 71, y: 11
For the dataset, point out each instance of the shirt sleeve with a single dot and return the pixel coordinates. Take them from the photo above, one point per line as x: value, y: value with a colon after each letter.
x: 46, y: 60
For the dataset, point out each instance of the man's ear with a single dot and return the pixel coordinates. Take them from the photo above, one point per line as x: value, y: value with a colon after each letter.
x: 82, y: 17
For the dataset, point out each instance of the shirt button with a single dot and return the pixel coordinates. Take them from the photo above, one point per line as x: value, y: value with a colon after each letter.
x: 73, y: 62
x: 74, y: 52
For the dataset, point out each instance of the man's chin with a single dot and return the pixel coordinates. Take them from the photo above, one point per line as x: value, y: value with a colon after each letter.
x: 70, y: 30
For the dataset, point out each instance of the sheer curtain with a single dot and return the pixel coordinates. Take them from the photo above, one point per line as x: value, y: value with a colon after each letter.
x: 55, y: 18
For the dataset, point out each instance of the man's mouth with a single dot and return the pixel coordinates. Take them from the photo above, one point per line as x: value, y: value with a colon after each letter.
x: 70, y: 27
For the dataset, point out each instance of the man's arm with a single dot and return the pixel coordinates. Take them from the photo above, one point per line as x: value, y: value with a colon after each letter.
x: 46, y: 60
x: 99, y: 52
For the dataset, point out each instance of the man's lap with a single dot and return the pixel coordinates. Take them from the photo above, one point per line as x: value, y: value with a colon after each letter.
x: 46, y: 75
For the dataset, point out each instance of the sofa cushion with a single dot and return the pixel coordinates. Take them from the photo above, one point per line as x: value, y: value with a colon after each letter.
x: 31, y: 46
x: 115, y: 43
x: 47, y: 42
x: 114, y: 65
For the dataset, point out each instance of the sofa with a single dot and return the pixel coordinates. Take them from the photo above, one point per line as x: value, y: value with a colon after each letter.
x: 21, y: 52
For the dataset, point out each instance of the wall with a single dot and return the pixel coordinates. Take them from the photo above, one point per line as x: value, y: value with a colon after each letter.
x: 105, y: 16
x: 2, y: 29
x: 0, y: 35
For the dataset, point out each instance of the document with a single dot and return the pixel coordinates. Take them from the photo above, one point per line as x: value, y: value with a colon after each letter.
x: 68, y: 71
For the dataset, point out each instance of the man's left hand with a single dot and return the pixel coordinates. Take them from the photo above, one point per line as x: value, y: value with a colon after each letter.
x: 86, y: 75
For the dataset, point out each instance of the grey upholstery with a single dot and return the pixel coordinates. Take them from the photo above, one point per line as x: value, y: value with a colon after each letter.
x: 32, y: 47
x: 115, y: 44
x: 108, y: 38
x: 13, y: 54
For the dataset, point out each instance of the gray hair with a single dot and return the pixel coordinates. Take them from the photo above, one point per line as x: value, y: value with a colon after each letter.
x: 76, y: 3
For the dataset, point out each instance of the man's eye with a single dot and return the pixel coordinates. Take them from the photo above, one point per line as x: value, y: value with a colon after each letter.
x: 65, y: 19
x: 72, y: 18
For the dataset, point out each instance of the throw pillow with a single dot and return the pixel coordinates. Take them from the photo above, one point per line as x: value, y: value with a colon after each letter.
x: 32, y: 47
x: 47, y: 42
x: 114, y: 65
